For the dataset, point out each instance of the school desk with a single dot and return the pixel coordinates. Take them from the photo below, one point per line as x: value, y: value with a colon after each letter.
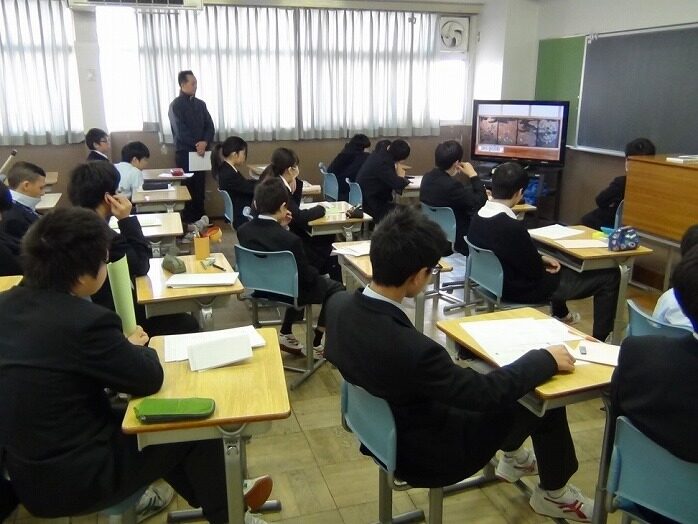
x: 48, y: 202
x: 164, y: 175
x: 156, y: 201
x: 335, y: 220
x: 161, y: 229
x: 9, y: 282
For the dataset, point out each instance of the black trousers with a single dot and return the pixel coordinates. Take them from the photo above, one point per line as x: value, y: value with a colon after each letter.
x: 194, y: 209
x: 324, y: 289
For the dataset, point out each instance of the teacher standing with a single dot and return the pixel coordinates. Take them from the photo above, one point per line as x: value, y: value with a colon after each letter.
x: 192, y: 128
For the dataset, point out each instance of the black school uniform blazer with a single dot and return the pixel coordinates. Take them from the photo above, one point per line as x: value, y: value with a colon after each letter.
x: 443, y: 412
x: 94, y: 156
x: 17, y: 220
x: 240, y: 189
x: 346, y: 165
x: 378, y: 179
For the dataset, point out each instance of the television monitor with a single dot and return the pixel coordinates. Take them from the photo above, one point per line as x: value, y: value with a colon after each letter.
x: 526, y: 131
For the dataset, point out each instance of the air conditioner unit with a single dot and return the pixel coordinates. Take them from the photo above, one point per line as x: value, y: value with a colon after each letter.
x: 138, y: 4
x: 453, y: 34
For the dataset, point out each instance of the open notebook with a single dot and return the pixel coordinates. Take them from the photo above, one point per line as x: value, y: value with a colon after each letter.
x: 202, y: 279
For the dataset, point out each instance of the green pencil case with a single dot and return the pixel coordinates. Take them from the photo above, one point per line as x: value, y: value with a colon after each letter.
x: 154, y: 410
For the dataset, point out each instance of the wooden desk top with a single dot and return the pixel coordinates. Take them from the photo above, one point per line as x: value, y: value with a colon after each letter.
x: 48, y: 201
x: 336, y: 215
x: 176, y: 194
x: 524, y: 208
x: 155, y: 174
x: 585, y: 377
x: 151, y: 288
x: 662, y: 160
x: 51, y: 178
x: 170, y: 225
x: 593, y: 252
x: 253, y: 390
x: 9, y: 282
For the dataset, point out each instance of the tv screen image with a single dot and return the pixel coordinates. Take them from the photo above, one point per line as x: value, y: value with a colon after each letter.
x: 529, y: 131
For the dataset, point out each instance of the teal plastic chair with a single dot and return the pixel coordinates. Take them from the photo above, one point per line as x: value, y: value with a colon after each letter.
x: 356, y: 197
x: 330, y: 187
x: 276, y: 272
x: 371, y: 420
x: 644, y: 474
x: 227, y: 207
x: 322, y: 167
x: 641, y: 324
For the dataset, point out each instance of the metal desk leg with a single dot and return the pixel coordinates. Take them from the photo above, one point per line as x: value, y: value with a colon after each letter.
x: 600, y: 512
x: 170, y: 206
x: 232, y: 450
x: 206, y: 315
x: 156, y: 247
x: 618, y: 324
x: 419, y: 301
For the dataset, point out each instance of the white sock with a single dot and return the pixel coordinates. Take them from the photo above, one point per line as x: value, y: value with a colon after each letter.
x: 520, y: 455
x: 557, y: 493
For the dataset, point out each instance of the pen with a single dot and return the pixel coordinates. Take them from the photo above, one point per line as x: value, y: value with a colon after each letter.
x: 203, y: 265
x: 218, y: 267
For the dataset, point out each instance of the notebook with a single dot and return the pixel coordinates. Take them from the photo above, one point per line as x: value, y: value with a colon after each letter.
x: 202, y: 279
x: 209, y: 354
x: 177, y: 346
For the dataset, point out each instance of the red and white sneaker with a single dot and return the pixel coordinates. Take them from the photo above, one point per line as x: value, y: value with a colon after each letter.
x: 571, y: 505
x: 511, y: 470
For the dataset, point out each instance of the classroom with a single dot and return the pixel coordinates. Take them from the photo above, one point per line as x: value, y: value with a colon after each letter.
x: 433, y: 170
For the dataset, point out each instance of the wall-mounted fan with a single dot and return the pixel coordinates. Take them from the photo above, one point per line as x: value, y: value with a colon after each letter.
x: 453, y: 34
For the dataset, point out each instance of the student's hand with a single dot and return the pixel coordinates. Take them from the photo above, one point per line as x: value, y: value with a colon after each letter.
x: 139, y: 337
x: 286, y: 220
x: 119, y: 205
x: 400, y: 170
x: 201, y: 147
x: 467, y: 169
x: 563, y: 358
x: 551, y: 265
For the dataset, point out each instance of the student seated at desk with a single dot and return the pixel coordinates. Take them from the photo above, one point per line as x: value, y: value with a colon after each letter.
x: 61, y: 441
x: 226, y: 158
x: 26, y: 182
x: 609, y: 198
x: 97, y: 141
x: 267, y: 232
x: 380, y: 175
x: 93, y: 186
x: 134, y: 159
x: 450, y: 420
x: 528, y: 276
x: 9, y: 245
x: 348, y: 162
x: 440, y: 189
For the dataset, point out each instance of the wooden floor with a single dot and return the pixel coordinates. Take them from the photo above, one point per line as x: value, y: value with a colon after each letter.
x: 321, y: 477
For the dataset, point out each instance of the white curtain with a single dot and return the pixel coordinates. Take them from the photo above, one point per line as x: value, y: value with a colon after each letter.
x: 39, y: 91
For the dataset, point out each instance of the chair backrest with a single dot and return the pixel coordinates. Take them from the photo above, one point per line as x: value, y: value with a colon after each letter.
x: 228, y: 205
x: 619, y: 215
x: 274, y: 272
x: 371, y: 420
x: 644, y: 473
x: 641, y: 324
x: 443, y: 216
x: 322, y: 167
x: 484, y: 268
x: 356, y: 197
x: 330, y: 187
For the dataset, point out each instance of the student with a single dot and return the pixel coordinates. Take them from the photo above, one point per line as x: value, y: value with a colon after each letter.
x: 9, y: 245
x: 134, y: 159
x: 348, y: 162
x: 26, y: 182
x: 609, y: 198
x: 267, y: 232
x: 380, y: 175
x: 226, y: 158
x: 66, y: 454
x: 97, y: 141
x: 440, y: 189
x: 450, y: 420
x: 667, y: 308
x: 528, y: 276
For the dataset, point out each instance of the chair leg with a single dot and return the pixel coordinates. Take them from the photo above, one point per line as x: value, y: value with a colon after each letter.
x: 255, y: 313
x: 311, y: 365
x: 385, y: 498
x: 436, y: 499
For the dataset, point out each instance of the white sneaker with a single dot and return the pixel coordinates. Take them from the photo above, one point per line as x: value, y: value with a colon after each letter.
x: 511, y: 470
x: 290, y: 344
x: 153, y: 501
x: 571, y: 319
x: 189, y: 237
x: 202, y: 223
x: 318, y: 352
x: 253, y: 518
x: 571, y: 505
x: 256, y: 491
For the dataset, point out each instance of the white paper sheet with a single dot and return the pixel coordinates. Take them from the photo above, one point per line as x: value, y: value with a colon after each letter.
x: 597, y: 352
x: 202, y: 279
x: 199, y: 163
x: 170, y: 175
x: 177, y: 346
x: 144, y: 220
x: 554, y: 232
x: 210, y: 354
x: 582, y: 244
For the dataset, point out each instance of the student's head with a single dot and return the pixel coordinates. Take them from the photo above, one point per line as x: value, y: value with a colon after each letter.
x: 233, y: 149
x: 359, y: 142
x: 66, y: 251
x: 284, y: 163
x: 382, y: 145
x: 639, y: 146
x: 689, y: 239
x: 27, y: 178
x: 271, y: 197
x: 399, y: 149
x: 90, y: 182
x: 448, y: 153
x: 508, y: 180
x: 405, y: 247
x: 187, y: 82
x: 98, y: 140
x: 685, y: 281
x: 136, y: 153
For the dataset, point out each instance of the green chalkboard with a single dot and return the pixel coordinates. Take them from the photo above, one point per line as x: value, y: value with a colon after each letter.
x: 559, y: 75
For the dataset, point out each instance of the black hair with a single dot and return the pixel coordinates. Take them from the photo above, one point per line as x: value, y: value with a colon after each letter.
x: 62, y: 246
x: 507, y: 179
x: 134, y: 149
x: 89, y: 182
x: 404, y: 242
x: 639, y: 146
x: 281, y: 159
x: 222, y: 150
x: 447, y: 153
x: 5, y: 198
x: 94, y: 136
x: 399, y: 149
x: 382, y: 145
x: 686, y: 285
x: 23, y: 171
x: 359, y: 142
x: 269, y: 195
x: 689, y: 239
x: 183, y: 76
